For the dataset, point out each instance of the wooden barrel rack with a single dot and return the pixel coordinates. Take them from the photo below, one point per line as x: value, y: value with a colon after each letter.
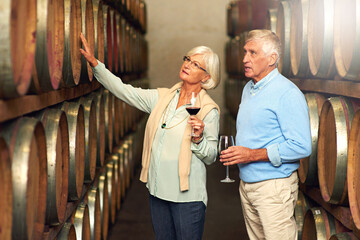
x: 49, y: 96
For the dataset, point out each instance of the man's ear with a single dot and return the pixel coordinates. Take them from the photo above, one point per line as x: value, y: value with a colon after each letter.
x: 273, y: 58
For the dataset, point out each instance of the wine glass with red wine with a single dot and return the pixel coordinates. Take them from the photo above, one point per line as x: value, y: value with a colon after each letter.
x: 192, y: 106
x: 224, y: 143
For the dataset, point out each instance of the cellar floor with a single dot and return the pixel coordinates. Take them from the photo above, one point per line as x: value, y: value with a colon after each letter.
x: 224, y: 220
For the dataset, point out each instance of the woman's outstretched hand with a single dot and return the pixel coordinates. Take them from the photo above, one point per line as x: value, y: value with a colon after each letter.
x: 87, y: 53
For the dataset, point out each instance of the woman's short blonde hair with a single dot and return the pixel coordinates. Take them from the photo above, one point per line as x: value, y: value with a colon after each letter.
x: 212, y: 65
x: 271, y: 42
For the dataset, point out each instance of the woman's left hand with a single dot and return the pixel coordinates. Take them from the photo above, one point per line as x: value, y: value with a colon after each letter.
x: 197, y: 125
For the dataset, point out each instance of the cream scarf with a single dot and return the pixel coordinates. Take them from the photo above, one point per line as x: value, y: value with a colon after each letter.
x: 165, y: 96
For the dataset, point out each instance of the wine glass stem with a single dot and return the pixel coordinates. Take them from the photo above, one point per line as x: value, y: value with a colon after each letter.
x: 227, y: 171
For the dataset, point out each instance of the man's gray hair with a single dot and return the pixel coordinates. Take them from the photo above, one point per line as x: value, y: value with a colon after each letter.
x: 212, y: 65
x: 271, y: 42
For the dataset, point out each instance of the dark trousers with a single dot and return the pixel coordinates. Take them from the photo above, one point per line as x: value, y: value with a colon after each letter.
x: 177, y: 221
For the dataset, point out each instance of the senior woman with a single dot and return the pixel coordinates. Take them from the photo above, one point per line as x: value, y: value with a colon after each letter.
x: 173, y: 162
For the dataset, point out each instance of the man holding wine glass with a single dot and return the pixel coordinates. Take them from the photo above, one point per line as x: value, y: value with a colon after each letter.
x: 273, y: 134
x: 173, y: 160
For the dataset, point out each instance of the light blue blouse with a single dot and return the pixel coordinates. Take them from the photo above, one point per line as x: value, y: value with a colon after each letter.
x: 163, y: 179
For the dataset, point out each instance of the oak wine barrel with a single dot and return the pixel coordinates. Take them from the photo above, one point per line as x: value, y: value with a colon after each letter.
x: 344, y: 236
x: 115, y: 41
x: 98, y: 30
x: 116, y: 159
x: 299, y: 38
x: 116, y: 119
x: 334, y: 128
x: 81, y: 222
x: 108, y: 120
x: 122, y: 171
x: 93, y: 201
x: 67, y: 232
x: 49, y: 54
x: 6, y: 193
x: 120, y: 41
x: 105, y: 34
x: 110, y: 38
x: 346, y: 38
x: 87, y: 28
x: 143, y: 16
x: 26, y: 141
x: 319, y: 225
x: 72, y: 43
x: 98, y: 98
x: 244, y: 15
x: 90, y: 119
x: 320, y: 38
x: 271, y: 17
x: 104, y: 203
x: 57, y: 148
x: 110, y: 172
x: 301, y: 207
x: 75, y: 116
x: 283, y: 26
x: 353, y: 169
x: 308, y: 170
x: 17, y: 46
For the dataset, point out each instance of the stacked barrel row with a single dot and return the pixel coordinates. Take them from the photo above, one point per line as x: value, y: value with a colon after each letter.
x: 320, y: 38
x: 79, y: 153
x: 40, y: 42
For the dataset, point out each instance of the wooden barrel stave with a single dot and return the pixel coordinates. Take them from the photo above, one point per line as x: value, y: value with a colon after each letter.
x: 122, y: 171
x: 100, y: 127
x: 334, y: 128
x: 18, y: 44
x: 301, y: 207
x: 104, y: 203
x: 283, y: 26
x: 271, y: 17
x: 90, y: 127
x: 25, y: 138
x: 98, y: 30
x: 72, y: 43
x: 308, y: 170
x: 108, y: 120
x: 6, y: 201
x: 81, y: 222
x: 344, y: 236
x: 116, y: 160
x: 299, y: 38
x: 76, y: 128
x: 320, y: 38
x: 57, y: 148
x: 87, y: 28
x: 353, y: 169
x: 347, y: 38
x: 67, y: 232
x: 93, y: 201
x: 318, y: 224
x: 47, y: 72
x: 110, y: 172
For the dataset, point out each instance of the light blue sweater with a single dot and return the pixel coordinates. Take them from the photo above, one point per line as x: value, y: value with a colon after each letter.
x: 273, y: 114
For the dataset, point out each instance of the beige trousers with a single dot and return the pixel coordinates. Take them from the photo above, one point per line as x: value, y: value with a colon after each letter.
x: 268, y: 208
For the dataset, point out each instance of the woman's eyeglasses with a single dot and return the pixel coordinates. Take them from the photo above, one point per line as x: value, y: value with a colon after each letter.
x: 193, y: 64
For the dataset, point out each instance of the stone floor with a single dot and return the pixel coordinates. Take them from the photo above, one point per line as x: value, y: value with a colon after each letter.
x: 224, y: 219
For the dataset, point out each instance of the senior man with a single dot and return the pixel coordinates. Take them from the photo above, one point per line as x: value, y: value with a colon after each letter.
x: 273, y: 134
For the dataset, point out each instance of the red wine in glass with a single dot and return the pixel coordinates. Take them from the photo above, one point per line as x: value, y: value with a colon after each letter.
x: 192, y: 110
